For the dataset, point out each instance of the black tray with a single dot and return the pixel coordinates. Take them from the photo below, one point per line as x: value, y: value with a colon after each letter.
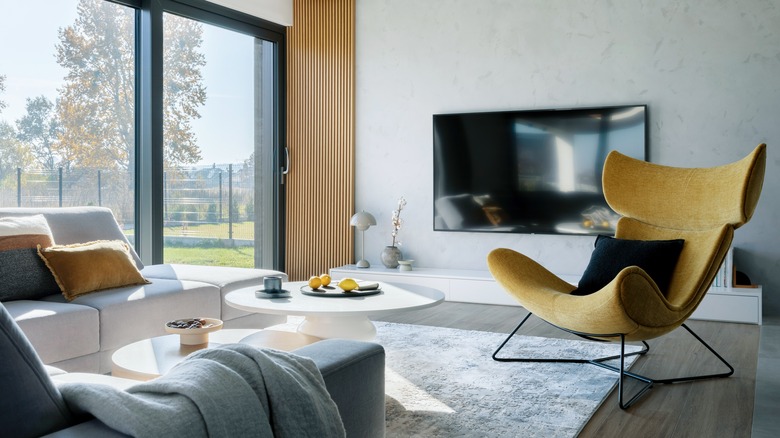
x: 337, y: 292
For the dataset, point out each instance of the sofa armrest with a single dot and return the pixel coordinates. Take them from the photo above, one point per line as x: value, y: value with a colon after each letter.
x: 92, y: 428
x: 354, y: 373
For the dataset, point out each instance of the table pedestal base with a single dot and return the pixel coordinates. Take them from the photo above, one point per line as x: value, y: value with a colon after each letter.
x: 346, y: 327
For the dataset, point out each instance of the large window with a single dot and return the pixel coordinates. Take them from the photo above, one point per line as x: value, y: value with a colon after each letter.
x: 169, y: 116
x: 67, y: 106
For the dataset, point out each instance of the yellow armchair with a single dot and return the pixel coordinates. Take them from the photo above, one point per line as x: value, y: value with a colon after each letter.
x: 702, y: 206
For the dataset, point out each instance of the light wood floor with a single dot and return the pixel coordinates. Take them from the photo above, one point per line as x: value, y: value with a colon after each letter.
x: 719, y: 407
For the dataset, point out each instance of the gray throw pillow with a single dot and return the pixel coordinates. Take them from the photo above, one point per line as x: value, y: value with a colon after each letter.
x: 24, y: 276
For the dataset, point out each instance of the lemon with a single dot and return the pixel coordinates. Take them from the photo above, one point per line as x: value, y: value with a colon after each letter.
x: 348, y: 284
x: 315, y: 282
x: 325, y: 279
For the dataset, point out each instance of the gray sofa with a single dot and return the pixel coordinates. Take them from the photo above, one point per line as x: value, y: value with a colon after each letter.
x: 32, y: 406
x: 81, y: 335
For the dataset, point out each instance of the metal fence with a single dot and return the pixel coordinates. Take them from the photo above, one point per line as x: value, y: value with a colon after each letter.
x: 200, y: 200
x: 213, y: 202
x: 70, y: 188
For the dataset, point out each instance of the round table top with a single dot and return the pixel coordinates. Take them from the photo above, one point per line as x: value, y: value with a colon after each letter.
x: 150, y: 358
x: 392, y: 298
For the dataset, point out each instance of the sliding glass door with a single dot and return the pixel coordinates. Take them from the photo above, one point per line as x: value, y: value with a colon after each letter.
x: 167, y: 111
x: 218, y: 142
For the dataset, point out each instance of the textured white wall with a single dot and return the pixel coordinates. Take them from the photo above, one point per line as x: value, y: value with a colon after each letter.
x: 708, y: 69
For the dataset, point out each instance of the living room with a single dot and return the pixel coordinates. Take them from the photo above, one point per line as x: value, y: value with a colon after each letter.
x: 705, y: 70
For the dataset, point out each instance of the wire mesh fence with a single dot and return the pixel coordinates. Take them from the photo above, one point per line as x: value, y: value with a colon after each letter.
x: 200, y: 202
x: 70, y: 188
x: 210, y: 202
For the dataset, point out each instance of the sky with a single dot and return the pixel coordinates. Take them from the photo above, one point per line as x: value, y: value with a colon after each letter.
x: 27, y: 40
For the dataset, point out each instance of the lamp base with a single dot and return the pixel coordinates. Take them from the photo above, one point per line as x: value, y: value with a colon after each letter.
x: 363, y: 264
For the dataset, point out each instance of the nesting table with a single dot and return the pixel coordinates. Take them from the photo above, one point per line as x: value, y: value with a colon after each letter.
x: 151, y: 358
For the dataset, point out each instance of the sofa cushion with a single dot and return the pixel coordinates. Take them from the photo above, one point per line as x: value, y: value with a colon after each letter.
x: 78, y: 225
x: 24, y: 232
x: 24, y: 276
x: 82, y: 268
x: 58, y: 331
x: 226, y: 278
x: 30, y: 404
x: 132, y: 313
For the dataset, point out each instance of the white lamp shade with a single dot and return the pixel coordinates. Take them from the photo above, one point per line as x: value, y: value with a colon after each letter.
x: 362, y: 220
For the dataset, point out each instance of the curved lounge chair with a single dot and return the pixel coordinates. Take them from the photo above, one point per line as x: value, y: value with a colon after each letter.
x: 701, y: 206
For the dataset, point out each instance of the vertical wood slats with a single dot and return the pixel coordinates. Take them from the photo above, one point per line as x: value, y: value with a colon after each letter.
x: 320, y: 136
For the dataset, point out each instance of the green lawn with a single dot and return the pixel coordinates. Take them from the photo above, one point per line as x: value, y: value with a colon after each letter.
x: 241, y: 256
x: 211, y: 253
x: 241, y: 230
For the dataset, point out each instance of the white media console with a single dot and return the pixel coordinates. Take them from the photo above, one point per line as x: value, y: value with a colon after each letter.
x: 472, y: 286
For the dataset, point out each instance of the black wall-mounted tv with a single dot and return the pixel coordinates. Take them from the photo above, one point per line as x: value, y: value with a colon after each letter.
x: 533, y: 171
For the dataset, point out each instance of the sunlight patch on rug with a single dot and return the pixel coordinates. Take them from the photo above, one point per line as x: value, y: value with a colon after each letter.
x: 410, y: 396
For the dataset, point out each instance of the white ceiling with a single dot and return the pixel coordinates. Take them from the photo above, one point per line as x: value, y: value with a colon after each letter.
x: 277, y: 11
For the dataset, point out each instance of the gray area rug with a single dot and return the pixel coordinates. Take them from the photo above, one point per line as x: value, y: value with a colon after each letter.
x: 443, y: 383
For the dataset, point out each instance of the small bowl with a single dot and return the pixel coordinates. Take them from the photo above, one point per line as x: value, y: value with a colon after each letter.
x: 405, y: 265
x: 195, y: 336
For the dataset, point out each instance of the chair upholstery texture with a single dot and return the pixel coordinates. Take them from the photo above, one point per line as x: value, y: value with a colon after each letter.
x: 30, y: 404
x: 702, y: 206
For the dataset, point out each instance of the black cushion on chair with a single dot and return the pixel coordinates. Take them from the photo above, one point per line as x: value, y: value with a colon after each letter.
x: 656, y: 257
x: 30, y: 405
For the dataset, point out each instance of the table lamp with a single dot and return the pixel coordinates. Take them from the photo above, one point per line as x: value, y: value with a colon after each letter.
x: 362, y: 221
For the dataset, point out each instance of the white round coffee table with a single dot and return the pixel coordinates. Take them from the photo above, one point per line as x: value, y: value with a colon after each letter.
x: 328, y: 317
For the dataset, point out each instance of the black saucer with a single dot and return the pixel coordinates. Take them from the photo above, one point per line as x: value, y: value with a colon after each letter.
x: 262, y: 293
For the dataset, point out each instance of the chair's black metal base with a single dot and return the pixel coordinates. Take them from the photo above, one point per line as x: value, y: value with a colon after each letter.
x: 600, y: 362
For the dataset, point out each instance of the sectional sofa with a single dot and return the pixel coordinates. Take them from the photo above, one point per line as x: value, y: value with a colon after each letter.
x: 32, y: 405
x: 81, y: 335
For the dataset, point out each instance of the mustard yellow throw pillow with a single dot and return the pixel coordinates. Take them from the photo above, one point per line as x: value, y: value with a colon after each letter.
x: 89, y: 267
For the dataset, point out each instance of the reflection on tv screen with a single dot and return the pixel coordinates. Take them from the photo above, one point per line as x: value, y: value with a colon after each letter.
x: 533, y: 171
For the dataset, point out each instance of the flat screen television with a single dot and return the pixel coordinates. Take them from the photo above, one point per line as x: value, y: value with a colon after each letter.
x: 534, y: 171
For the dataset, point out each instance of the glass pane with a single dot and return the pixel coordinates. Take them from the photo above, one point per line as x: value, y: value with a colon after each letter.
x: 67, y: 93
x: 217, y: 155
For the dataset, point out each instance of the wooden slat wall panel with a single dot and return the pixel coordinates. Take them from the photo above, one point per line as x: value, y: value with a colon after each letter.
x: 320, y: 136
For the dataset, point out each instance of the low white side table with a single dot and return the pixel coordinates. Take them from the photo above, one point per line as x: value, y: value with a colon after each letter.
x: 151, y: 358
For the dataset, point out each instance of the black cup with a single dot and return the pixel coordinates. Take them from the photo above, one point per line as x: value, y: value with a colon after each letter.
x: 272, y: 284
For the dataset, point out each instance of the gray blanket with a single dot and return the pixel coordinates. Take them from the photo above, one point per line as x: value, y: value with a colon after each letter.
x: 227, y: 391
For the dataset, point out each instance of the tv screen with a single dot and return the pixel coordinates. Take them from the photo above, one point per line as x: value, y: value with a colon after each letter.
x: 536, y: 171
